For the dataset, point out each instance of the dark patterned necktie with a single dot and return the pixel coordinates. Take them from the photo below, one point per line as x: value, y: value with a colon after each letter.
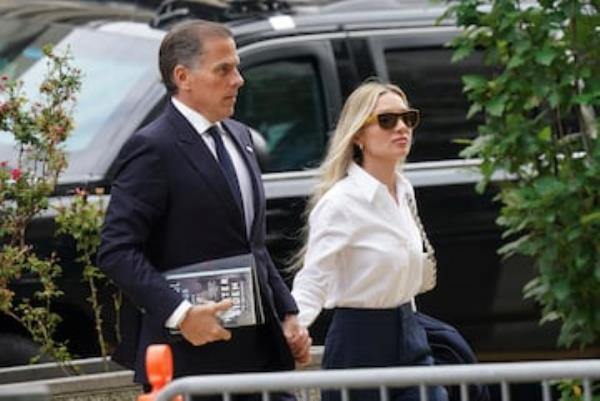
x: 226, y: 166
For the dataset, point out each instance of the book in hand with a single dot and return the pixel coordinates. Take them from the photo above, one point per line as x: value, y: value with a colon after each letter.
x: 214, y: 280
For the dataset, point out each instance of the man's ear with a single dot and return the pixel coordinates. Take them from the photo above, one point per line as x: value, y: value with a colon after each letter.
x: 181, y: 77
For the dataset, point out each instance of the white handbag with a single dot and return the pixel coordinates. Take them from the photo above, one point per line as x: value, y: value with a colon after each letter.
x: 428, y: 260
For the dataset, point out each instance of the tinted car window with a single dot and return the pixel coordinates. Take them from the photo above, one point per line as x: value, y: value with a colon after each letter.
x: 433, y: 84
x: 283, y: 100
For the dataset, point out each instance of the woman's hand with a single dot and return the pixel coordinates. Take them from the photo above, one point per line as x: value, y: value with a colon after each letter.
x: 298, y: 339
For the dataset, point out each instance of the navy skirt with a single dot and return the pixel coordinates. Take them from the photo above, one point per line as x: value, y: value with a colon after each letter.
x: 361, y: 338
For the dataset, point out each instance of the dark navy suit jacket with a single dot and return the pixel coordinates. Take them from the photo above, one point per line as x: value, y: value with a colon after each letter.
x: 171, y: 206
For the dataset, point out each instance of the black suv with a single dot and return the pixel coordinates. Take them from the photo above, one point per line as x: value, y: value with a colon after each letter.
x: 299, y: 66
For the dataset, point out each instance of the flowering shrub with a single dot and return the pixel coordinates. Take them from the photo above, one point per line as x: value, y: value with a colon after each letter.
x: 39, y: 131
x: 82, y: 219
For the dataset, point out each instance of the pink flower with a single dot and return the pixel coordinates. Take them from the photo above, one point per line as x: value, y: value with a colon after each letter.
x: 15, y: 173
x: 3, y: 163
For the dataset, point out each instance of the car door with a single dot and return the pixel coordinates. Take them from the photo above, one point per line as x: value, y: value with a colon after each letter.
x: 290, y: 96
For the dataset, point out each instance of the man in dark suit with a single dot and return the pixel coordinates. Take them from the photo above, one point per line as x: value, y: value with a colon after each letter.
x: 188, y: 189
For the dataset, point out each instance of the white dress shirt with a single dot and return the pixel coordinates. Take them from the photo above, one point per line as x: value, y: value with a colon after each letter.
x: 201, y: 125
x: 364, y: 248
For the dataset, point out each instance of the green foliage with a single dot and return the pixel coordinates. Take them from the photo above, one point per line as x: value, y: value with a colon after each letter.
x: 572, y: 390
x: 541, y: 129
x: 39, y: 130
x: 82, y: 219
x: 35, y: 316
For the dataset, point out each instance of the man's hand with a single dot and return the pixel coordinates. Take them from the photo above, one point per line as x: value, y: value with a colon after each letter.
x: 298, y: 339
x: 201, y: 324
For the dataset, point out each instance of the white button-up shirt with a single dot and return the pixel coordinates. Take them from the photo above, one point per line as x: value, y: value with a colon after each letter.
x: 364, y: 248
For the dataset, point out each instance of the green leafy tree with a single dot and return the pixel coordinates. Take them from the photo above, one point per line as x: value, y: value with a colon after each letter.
x: 39, y: 131
x: 541, y: 130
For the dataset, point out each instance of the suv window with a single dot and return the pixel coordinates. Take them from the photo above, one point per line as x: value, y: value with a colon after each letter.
x: 117, y: 70
x: 111, y: 67
x: 283, y: 101
x: 433, y: 84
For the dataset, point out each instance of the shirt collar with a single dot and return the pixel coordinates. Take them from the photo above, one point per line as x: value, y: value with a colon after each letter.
x: 369, y: 185
x: 198, y: 121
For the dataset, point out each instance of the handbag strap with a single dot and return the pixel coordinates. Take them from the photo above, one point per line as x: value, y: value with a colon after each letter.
x: 412, y: 206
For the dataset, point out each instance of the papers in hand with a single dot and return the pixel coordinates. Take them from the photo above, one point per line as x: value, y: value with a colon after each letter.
x: 227, y: 278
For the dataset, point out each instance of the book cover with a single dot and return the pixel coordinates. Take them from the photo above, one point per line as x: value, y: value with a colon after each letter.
x: 212, y: 281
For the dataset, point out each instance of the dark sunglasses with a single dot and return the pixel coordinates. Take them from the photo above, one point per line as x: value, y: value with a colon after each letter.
x: 410, y: 117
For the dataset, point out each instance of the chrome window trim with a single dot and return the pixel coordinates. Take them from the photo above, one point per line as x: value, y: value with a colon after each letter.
x: 289, y: 40
x: 420, y: 174
x: 295, y: 184
x: 403, y: 31
x: 351, y: 34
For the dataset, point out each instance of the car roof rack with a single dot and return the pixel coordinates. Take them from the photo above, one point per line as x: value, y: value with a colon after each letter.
x: 367, y: 5
x: 172, y: 11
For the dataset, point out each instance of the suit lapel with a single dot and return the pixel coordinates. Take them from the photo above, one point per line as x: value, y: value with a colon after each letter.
x: 196, y: 152
x: 245, y: 148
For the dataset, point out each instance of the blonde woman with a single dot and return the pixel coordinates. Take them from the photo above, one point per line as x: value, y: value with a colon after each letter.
x: 362, y: 256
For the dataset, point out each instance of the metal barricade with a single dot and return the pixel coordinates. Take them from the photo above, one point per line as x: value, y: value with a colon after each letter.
x: 386, y: 378
x: 24, y: 392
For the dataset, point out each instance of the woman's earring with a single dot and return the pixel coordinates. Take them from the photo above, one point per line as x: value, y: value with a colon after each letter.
x: 361, y: 147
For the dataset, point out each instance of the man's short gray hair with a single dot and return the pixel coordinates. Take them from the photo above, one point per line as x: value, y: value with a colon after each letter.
x: 184, y: 45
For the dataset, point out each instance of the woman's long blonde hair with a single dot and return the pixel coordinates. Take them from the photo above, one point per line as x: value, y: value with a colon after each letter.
x: 342, y: 148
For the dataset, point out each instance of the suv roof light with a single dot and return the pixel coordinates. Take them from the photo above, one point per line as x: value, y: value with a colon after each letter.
x: 172, y: 11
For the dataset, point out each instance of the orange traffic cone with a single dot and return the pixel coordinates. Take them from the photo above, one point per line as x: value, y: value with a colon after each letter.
x: 159, y: 369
